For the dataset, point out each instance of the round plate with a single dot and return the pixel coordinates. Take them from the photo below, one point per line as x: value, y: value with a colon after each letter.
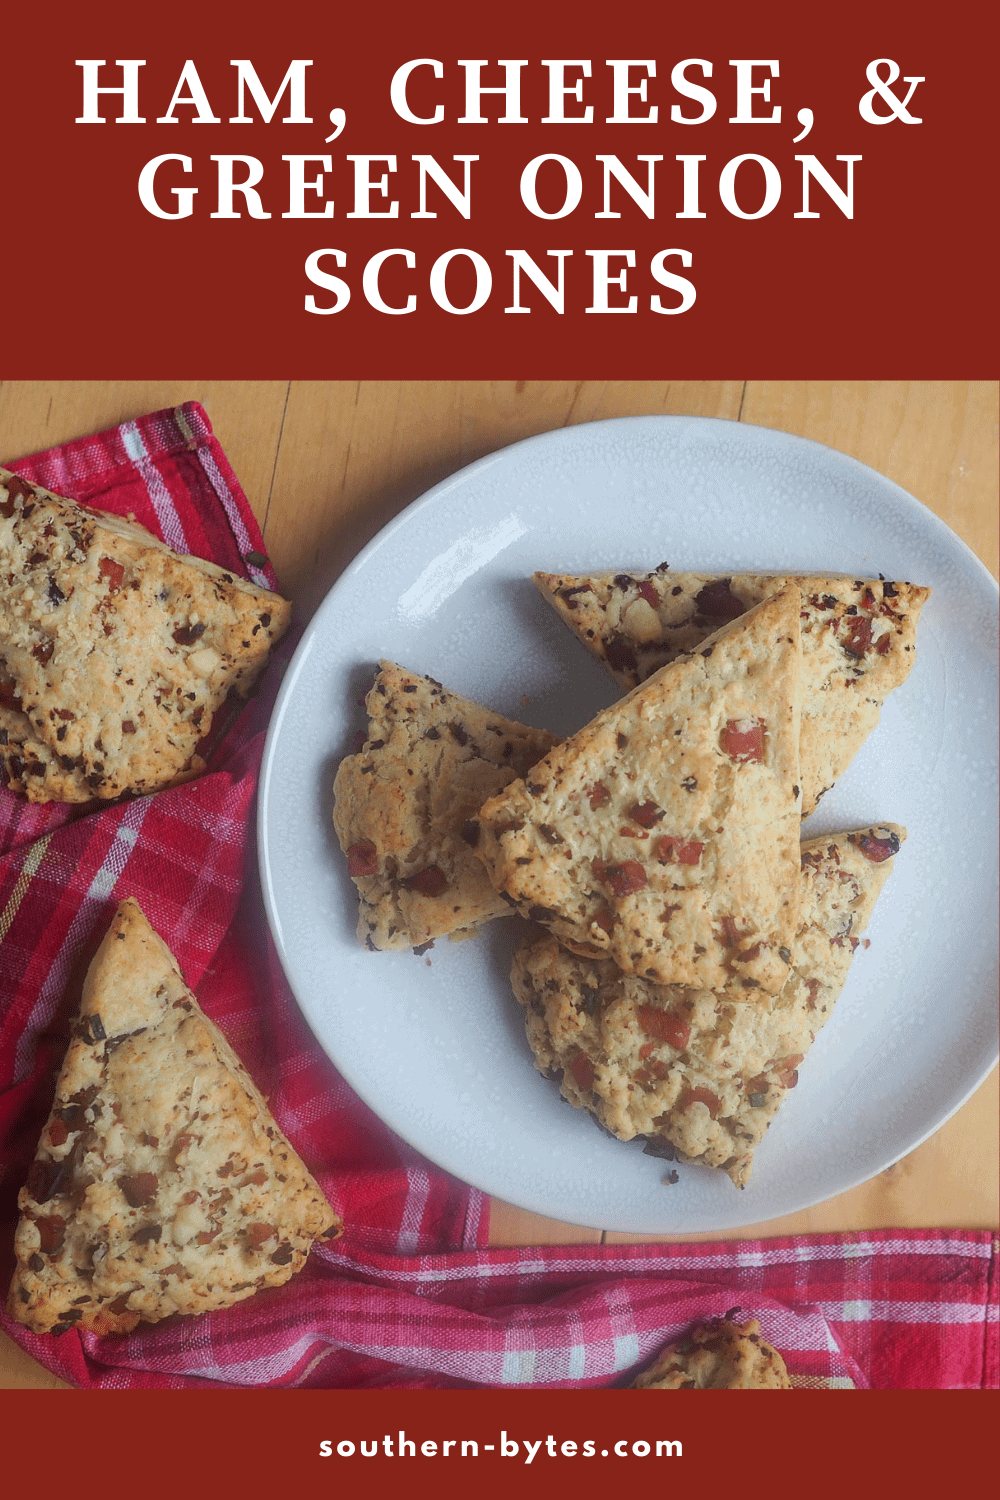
x: 435, y: 1044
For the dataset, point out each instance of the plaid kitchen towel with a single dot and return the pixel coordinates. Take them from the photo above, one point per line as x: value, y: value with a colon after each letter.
x: 409, y: 1296
x: 188, y: 855
x: 889, y: 1309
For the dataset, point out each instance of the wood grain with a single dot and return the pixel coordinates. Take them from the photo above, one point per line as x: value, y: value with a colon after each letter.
x: 516, y: 1226
x: 937, y: 439
x: 326, y: 465
x: 353, y: 455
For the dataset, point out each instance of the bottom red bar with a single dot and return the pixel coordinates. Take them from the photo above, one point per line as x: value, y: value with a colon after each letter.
x: 495, y: 1442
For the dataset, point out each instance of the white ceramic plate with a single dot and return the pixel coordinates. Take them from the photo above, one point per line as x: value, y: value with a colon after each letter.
x: 436, y: 1044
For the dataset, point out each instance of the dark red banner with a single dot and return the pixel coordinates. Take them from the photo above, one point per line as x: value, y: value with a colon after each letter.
x: 320, y: 192
x: 501, y: 1443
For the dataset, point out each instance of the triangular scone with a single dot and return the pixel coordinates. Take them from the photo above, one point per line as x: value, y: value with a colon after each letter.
x: 718, y: 1356
x: 405, y: 806
x: 665, y: 834
x: 115, y: 652
x: 857, y: 643
x: 161, y: 1183
x: 700, y: 1075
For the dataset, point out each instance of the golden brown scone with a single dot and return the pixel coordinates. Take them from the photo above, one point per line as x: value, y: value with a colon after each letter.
x: 115, y: 651
x: 857, y: 634
x: 405, y: 802
x: 700, y: 1076
x: 161, y: 1183
x: 719, y: 1356
x: 665, y: 834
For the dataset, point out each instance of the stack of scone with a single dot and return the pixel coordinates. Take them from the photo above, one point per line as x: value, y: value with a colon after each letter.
x: 693, y: 946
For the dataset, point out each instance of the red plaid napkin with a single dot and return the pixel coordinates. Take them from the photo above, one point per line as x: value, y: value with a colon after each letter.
x: 409, y: 1296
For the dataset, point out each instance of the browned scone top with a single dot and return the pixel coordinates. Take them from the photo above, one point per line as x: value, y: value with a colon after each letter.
x: 718, y: 1356
x: 665, y: 833
x: 161, y: 1183
x: 115, y: 651
x: 858, y: 642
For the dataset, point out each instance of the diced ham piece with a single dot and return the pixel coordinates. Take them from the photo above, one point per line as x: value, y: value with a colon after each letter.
x: 139, y: 1189
x: 786, y: 1069
x: 743, y: 740
x: 430, y: 882
x: 877, y: 850
x: 665, y: 1026
x: 51, y: 1232
x: 582, y: 1070
x: 362, y: 858
x: 113, y: 571
x: 700, y: 1096
x: 732, y: 937
x: 622, y: 880
x: 646, y: 814
x: 858, y: 635
x: 258, y: 1234
x: 684, y: 851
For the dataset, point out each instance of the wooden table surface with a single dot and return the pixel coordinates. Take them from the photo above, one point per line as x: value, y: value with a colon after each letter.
x: 326, y: 465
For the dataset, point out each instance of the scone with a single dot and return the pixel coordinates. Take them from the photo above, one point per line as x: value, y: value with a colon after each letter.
x: 405, y: 806
x: 719, y: 1356
x: 161, y: 1182
x: 858, y: 641
x: 115, y: 651
x: 699, y: 1075
x: 665, y: 834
